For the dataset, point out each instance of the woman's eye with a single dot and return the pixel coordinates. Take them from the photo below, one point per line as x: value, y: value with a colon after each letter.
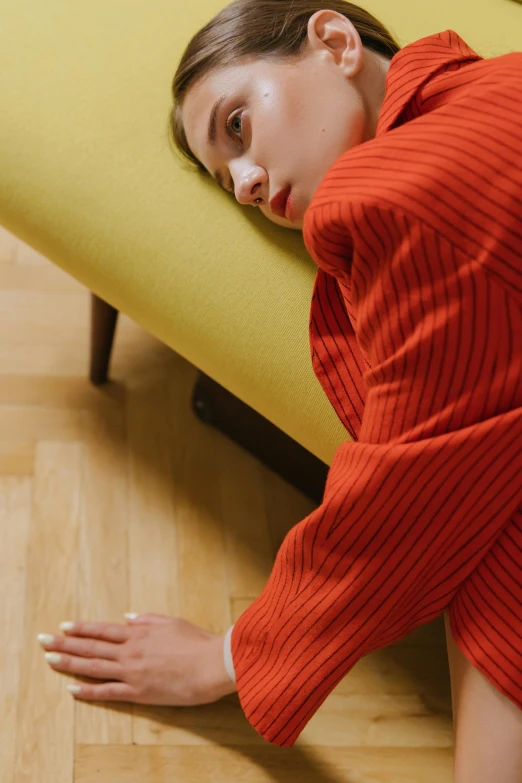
x: 230, y: 125
x: 233, y: 131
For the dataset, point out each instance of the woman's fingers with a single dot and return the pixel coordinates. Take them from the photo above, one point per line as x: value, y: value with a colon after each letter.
x: 109, y: 691
x: 97, y: 668
x: 82, y: 647
x: 109, y: 632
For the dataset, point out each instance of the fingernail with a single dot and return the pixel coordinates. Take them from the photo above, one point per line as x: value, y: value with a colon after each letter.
x: 131, y: 615
x: 46, y: 639
x: 74, y: 688
x: 68, y: 626
x: 53, y: 657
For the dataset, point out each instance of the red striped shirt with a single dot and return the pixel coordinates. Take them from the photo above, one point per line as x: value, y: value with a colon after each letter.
x: 416, y: 338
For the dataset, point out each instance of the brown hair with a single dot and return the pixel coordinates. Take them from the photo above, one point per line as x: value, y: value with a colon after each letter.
x: 269, y: 29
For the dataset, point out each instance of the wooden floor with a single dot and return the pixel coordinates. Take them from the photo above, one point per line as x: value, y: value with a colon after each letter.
x: 118, y: 499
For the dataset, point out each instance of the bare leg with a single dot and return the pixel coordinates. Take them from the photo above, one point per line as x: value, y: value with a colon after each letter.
x: 488, y: 725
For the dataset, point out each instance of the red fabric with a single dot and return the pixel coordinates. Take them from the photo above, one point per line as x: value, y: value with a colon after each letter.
x: 416, y: 338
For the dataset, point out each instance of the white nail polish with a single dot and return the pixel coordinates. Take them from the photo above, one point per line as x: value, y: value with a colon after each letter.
x: 53, y: 657
x: 74, y: 688
x: 131, y: 615
x: 68, y: 626
x: 46, y: 639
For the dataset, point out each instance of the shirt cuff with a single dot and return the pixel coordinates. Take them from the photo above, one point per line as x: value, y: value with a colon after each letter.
x: 227, y: 651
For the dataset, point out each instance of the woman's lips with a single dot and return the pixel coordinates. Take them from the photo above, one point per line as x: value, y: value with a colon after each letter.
x: 278, y: 204
x: 290, y: 208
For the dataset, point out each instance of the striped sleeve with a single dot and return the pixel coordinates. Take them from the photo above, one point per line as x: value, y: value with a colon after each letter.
x: 411, y: 508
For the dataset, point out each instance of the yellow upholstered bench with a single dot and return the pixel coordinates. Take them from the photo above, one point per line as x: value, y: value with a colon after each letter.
x: 88, y: 179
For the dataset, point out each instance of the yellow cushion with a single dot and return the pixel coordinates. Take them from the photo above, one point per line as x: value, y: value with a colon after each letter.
x: 88, y: 179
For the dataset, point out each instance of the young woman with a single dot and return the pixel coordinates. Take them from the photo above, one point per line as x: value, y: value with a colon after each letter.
x: 403, y: 170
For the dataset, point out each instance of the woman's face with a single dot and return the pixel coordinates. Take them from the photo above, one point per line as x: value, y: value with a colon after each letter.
x: 288, y: 122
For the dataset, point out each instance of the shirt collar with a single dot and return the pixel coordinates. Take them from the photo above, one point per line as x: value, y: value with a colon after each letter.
x: 415, y: 64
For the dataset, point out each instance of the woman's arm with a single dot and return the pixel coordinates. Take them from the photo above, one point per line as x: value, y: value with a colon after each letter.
x: 410, y: 509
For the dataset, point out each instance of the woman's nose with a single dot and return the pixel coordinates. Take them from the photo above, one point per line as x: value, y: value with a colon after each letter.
x: 252, y: 187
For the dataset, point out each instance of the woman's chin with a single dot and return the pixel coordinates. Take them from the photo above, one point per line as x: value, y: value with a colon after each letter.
x: 295, y: 225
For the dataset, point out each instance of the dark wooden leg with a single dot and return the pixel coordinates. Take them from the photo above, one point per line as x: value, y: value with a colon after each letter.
x: 103, y: 325
x: 216, y: 406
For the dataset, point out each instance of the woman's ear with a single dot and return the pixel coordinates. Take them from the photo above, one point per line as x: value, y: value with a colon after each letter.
x: 332, y: 34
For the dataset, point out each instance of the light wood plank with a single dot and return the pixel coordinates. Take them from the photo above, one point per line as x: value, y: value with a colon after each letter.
x: 16, y: 458
x: 29, y: 315
x: 133, y: 351
x: 153, y: 516
x: 15, y: 507
x: 262, y: 764
x: 196, y: 459
x: 103, y: 566
x: 43, y: 358
x: 44, y: 748
x: 21, y: 424
x: 178, y: 556
x: 50, y: 392
x: 249, y: 549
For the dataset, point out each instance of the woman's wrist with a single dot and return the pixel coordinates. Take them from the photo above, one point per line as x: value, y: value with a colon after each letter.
x: 227, y: 654
x: 217, y: 682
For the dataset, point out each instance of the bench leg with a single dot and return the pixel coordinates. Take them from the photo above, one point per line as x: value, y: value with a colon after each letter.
x: 103, y: 325
x: 216, y: 406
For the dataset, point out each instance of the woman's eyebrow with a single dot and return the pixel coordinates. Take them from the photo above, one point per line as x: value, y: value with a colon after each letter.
x: 212, y: 136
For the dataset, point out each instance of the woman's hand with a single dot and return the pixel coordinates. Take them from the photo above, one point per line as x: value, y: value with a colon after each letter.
x: 153, y: 660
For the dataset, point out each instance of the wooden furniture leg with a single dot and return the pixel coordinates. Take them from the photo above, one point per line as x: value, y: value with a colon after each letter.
x: 103, y: 325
